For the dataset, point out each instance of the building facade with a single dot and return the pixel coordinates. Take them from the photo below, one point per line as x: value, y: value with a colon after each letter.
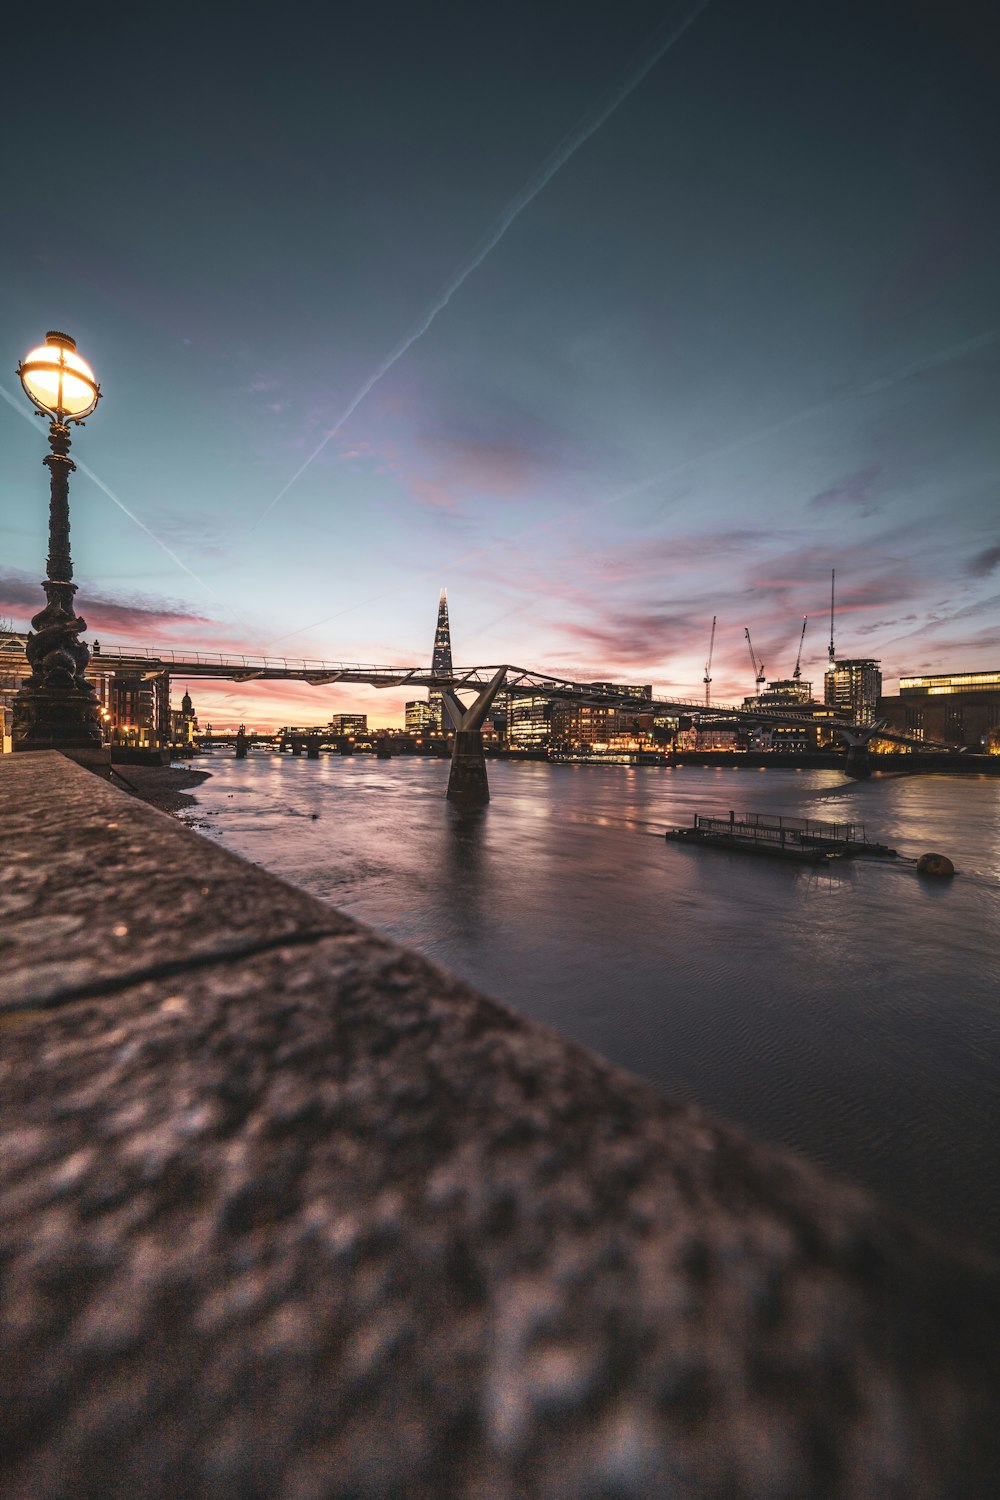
x: 852, y: 687
x: 14, y: 670
x: 420, y: 718
x: 585, y: 726
x: 795, y: 696
x: 184, y: 723
x: 529, y: 722
x: 959, y: 708
x: 785, y: 694
x: 350, y: 725
x: 130, y: 710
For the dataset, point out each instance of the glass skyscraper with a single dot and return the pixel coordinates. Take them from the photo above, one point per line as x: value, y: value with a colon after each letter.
x: 441, y: 662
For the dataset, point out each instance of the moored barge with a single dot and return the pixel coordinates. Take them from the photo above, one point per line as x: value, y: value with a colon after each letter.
x: 802, y: 840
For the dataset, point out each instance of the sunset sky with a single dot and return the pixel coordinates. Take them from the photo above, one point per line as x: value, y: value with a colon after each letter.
x: 704, y: 303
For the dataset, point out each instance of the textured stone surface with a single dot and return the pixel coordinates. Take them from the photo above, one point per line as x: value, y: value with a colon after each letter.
x: 95, y: 889
x: 323, y: 1222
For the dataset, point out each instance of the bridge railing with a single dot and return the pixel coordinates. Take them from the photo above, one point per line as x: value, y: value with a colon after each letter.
x: 771, y: 826
x: 235, y: 659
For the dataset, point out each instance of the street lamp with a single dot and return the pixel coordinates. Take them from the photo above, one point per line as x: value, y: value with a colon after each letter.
x: 57, y: 708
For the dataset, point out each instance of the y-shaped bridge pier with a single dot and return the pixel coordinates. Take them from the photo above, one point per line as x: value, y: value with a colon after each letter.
x: 468, y: 783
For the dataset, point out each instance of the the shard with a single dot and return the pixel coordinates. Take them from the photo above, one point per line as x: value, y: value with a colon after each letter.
x: 441, y: 662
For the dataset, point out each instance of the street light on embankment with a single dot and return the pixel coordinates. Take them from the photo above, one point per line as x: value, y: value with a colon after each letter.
x: 57, y: 708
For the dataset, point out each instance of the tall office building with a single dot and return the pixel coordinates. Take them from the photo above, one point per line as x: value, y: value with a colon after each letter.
x: 441, y: 661
x: 419, y: 717
x: 529, y: 721
x: 852, y: 686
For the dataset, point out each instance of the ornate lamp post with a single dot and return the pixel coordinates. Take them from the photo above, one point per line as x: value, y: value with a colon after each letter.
x: 57, y: 708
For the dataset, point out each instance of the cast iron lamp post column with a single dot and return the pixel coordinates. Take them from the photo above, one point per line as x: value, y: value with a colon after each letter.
x: 57, y: 709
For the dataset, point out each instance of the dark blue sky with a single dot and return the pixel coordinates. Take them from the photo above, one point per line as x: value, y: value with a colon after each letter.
x: 747, y: 332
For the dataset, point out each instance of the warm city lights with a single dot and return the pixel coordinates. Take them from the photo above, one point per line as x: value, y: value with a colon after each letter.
x: 58, y: 381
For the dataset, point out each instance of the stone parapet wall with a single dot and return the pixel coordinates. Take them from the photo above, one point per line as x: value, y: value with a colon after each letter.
x: 287, y: 1212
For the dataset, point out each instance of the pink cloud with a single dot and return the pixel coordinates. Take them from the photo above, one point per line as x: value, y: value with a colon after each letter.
x: 634, y: 641
x: 21, y: 597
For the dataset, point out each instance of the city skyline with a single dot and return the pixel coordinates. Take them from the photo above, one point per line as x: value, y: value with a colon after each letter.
x: 701, y: 304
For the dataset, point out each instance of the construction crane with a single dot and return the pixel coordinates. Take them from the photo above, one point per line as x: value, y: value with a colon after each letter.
x: 798, y: 660
x: 708, y: 668
x: 758, y: 666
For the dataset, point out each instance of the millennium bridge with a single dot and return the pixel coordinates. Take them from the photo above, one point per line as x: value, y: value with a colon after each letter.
x: 468, y: 779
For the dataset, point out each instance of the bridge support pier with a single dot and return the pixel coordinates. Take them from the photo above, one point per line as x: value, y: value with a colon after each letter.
x: 468, y: 783
x: 312, y: 747
x: 242, y: 744
x: 858, y: 762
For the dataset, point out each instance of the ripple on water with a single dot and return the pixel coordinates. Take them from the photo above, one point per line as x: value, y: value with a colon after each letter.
x: 852, y: 1013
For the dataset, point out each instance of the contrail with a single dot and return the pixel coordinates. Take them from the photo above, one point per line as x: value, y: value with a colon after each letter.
x: 904, y: 372
x: 84, y: 468
x: 567, y: 148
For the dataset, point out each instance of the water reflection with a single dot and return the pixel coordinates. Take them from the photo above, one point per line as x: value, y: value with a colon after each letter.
x: 463, y: 838
x: 852, y: 1013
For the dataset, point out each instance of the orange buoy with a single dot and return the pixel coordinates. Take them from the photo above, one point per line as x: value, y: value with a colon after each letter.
x: 935, y: 864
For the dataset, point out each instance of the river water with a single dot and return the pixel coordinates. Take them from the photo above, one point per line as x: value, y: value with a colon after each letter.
x: 852, y: 1013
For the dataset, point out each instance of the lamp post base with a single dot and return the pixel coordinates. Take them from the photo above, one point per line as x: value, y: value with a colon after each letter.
x: 56, y: 718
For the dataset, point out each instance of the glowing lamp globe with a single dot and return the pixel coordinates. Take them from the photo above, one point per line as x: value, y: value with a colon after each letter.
x: 58, y: 381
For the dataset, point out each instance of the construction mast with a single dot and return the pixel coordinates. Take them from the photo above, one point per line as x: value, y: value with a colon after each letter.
x: 708, y: 667
x: 833, y: 580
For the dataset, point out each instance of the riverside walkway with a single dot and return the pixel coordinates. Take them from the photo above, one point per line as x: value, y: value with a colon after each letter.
x: 288, y: 1213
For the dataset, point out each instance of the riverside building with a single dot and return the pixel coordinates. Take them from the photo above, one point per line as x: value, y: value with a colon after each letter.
x: 349, y: 724
x: 14, y: 671
x: 852, y: 686
x: 184, y: 723
x: 601, y: 725
x: 420, y: 718
x: 960, y: 708
x: 795, y: 696
x: 781, y: 694
x: 134, y: 708
x: 529, y: 722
